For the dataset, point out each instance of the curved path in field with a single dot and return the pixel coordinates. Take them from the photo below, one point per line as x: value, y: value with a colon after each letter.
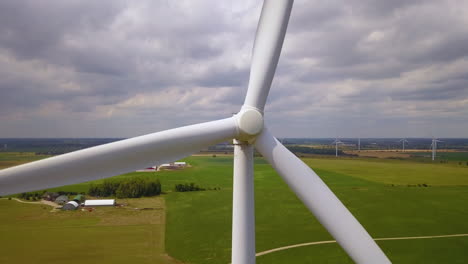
x: 37, y: 202
x: 334, y: 241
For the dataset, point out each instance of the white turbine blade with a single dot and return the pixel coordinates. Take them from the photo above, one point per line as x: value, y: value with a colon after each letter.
x: 316, y: 195
x: 115, y: 158
x: 267, y: 49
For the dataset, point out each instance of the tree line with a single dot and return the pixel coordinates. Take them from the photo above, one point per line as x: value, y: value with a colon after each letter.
x: 126, y: 188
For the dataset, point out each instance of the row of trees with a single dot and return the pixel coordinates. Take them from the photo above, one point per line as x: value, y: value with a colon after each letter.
x: 188, y: 187
x: 127, y: 188
x: 30, y: 196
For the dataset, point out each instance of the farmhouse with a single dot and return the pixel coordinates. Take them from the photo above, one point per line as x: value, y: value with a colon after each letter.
x: 62, y: 199
x: 106, y: 202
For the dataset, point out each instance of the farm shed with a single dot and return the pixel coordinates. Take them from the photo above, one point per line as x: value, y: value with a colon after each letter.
x: 172, y: 165
x: 108, y: 202
x: 72, y: 205
x: 62, y: 199
x: 165, y: 166
x: 180, y: 163
x: 79, y: 198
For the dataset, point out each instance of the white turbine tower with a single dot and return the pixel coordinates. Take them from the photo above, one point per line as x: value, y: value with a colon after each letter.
x: 337, y: 142
x: 248, y: 131
x: 359, y: 144
x: 403, y: 140
x: 434, y: 147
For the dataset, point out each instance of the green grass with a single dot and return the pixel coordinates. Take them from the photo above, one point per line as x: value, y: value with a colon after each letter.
x: 395, y: 171
x: 453, y: 156
x: 430, y: 251
x: 8, y: 159
x: 198, y: 230
x: 199, y: 224
x: 30, y: 233
x: 449, y: 156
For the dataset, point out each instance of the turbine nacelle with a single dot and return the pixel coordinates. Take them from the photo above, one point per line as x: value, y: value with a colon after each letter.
x: 249, y: 124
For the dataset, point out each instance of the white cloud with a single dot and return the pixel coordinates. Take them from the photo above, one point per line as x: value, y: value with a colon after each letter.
x: 118, y: 68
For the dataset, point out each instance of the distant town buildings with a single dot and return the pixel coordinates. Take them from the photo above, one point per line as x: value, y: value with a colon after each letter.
x: 166, y: 166
x: 172, y: 165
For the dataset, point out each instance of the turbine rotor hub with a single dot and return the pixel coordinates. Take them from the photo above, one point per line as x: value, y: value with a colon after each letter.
x: 249, y: 124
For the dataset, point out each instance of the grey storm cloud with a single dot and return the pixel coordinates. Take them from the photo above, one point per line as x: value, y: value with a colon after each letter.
x: 124, y: 68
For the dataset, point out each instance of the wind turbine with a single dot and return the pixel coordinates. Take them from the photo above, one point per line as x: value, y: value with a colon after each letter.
x: 246, y: 128
x: 403, y: 140
x: 434, y: 147
x: 359, y: 144
x: 336, y: 142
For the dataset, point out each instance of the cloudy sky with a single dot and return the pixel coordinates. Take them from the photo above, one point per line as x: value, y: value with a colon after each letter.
x: 359, y: 68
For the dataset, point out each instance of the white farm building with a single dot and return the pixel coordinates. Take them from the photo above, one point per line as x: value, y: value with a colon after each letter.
x: 106, y: 202
x: 173, y: 165
x: 72, y: 205
x: 180, y: 164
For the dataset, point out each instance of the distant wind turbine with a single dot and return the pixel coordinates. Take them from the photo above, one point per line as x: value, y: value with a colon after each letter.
x: 359, y: 144
x: 336, y: 142
x: 434, y: 147
x: 403, y: 140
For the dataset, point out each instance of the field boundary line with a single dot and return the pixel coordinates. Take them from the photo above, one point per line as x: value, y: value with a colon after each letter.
x: 334, y: 241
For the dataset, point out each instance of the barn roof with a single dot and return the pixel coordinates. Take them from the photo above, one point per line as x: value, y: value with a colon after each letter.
x: 79, y: 197
x: 62, y: 198
x: 72, y: 205
x: 108, y: 202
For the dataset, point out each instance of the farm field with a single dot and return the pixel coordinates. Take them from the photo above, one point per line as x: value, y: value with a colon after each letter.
x: 365, y: 187
x: 449, y: 156
x: 379, y: 154
x: 382, y: 193
x: 9, y: 159
x: 33, y: 234
x: 442, y: 154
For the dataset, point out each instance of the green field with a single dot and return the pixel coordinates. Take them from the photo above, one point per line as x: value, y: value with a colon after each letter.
x: 383, y: 194
x: 31, y: 233
x: 8, y: 159
x: 364, y: 186
x: 448, y: 156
